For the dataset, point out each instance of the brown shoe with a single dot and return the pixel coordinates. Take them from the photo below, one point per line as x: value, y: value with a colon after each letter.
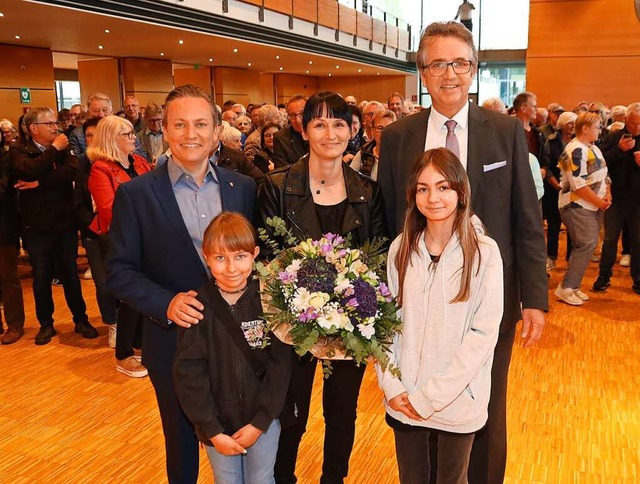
x: 11, y: 336
x: 131, y: 367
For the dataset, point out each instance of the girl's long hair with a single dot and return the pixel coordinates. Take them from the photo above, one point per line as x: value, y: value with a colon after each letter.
x: 415, y: 224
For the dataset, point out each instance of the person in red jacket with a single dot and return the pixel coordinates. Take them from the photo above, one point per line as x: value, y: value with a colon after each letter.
x: 113, y: 164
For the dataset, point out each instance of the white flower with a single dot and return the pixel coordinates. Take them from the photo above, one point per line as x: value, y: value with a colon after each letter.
x: 301, y: 300
x: 333, y: 321
x: 371, y: 277
x: 367, y: 330
x: 342, y: 284
x: 358, y: 267
x: 318, y: 299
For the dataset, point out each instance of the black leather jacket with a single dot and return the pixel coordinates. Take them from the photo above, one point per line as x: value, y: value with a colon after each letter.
x: 285, y: 193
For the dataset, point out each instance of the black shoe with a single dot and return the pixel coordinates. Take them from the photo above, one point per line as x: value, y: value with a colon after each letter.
x: 602, y: 282
x: 86, y: 330
x: 45, y: 334
x: 636, y: 287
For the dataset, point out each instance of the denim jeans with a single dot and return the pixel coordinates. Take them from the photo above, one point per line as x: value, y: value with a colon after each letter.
x: 55, y: 251
x: 255, y: 467
x: 97, y: 256
x: 11, y: 288
x: 583, y: 226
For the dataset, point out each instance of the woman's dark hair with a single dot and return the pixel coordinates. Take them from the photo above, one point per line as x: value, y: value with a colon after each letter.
x: 264, y: 130
x: 90, y: 122
x: 355, y: 111
x: 326, y: 103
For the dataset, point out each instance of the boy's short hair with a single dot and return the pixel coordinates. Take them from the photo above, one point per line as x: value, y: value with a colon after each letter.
x: 230, y: 231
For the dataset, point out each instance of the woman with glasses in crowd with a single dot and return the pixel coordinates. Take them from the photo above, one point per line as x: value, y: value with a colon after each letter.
x: 115, y: 163
x: 264, y: 158
x: 366, y: 160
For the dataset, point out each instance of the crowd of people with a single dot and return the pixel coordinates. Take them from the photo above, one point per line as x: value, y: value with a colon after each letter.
x: 166, y: 199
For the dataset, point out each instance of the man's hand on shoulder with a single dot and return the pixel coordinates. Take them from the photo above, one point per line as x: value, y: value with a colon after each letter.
x: 185, y: 310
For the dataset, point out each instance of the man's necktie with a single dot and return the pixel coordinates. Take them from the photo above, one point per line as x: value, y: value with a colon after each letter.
x: 452, y: 139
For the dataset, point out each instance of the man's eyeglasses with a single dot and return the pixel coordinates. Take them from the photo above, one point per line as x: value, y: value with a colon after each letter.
x: 293, y: 116
x: 50, y: 124
x: 460, y: 66
x: 130, y: 135
x: 154, y: 120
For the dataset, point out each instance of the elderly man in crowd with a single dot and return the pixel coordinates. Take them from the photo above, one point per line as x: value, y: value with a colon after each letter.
x: 99, y: 105
x: 267, y: 113
x: 151, y: 136
x: 46, y: 169
x: 131, y: 107
x: 288, y: 144
x: 368, y: 113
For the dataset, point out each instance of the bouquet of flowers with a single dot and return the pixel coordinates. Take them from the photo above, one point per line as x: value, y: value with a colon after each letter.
x: 328, y: 299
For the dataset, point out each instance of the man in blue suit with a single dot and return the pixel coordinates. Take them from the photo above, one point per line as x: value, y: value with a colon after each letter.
x: 156, y: 260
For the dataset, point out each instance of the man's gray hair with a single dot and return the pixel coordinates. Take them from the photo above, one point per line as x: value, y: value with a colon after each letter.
x: 632, y: 108
x: 98, y: 96
x: 34, y: 116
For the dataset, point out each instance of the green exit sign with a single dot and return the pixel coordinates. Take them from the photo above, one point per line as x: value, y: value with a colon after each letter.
x: 25, y: 95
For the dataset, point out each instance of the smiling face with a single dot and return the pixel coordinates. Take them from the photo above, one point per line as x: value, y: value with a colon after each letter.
x: 268, y: 137
x: 328, y: 138
x: 190, y: 130
x: 230, y: 268
x: 45, y: 129
x: 435, y: 199
x: 99, y: 108
x: 131, y: 109
x: 448, y: 92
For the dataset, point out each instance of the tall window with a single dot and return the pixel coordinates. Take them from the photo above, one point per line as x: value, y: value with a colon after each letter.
x: 67, y: 94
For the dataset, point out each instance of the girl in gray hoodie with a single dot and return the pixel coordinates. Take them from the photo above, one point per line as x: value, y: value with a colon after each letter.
x: 447, y: 275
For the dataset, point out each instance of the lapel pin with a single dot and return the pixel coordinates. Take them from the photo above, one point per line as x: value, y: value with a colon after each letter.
x: 231, y: 184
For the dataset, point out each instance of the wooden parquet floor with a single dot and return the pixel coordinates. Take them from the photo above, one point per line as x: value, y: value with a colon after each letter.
x: 67, y: 416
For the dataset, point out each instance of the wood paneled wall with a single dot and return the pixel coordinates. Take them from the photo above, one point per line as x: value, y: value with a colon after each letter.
x: 25, y: 67
x: 100, y: 75
x: 586, y: 50
x: 202, y: 78
x: 149, y: 80
x: 288, y: 85
x: 242, y: 85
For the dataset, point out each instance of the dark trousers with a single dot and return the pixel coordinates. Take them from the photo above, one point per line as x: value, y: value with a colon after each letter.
x: 97, y: 255
x: 413, y: 455
x: 551, y: 213
x: 56, y: 251
x: 181, y: 444
x: 10, y: 287
x: 614, y: 220
x: 129, y: 331
x: 339, y: 402
x: 489, y: 452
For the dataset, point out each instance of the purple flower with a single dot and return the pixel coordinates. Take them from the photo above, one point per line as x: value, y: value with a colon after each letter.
x: 384, y: 290
x: 317, y: 275
x: 365, y: 296
x: 286, y: 277
x: 308, y: 315
x: 353, y: 302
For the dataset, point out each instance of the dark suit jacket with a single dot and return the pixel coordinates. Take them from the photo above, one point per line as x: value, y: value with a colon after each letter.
x: 288, y: 147
x: 504, y: 198
x: 152, y: 257
x: 623, y: 170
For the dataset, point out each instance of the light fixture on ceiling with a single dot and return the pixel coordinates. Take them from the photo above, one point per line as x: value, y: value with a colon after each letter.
x: 277, y: 57
x: 337, y: 67
x: 107, y: 31
x: 101, y: 47
x: 307, y: 72
x: 181, y: 42
x: 235, y: 51
x: 161, y: 54
x: 1, y: 14
x: 359, y: 70
x: 17, y: 37
x: 329, y: 74
x: 248, y: 64
x: 310, y: 62
x: 211, y: 59
x: 281, y: 68
x: 377, y: 73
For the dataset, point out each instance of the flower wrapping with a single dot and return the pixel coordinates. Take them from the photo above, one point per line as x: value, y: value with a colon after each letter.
x: 330, y: 300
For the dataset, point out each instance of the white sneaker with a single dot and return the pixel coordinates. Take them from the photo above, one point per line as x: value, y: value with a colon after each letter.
x: 111, y: 338
x: 581, y: 295
x: 131, y: 367
x: 568, y: 295
x: 550, y: 264
x: 625, y: 261
x: 87, y: 274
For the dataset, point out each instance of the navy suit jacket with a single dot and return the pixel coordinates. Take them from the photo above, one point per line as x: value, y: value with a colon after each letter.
x: 152, y: 257
x: 502, y: 194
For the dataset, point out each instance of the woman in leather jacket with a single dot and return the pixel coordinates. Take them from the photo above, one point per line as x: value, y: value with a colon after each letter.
x: 316, y: 195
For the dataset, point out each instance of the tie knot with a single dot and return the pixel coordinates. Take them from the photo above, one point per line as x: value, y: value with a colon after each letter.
x: 451, y: 125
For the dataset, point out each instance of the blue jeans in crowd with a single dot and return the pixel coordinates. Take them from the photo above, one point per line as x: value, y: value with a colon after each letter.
x: 256, y: 467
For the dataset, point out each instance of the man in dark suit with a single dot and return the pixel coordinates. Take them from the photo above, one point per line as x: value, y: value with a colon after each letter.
x: 156, y: 260
x: 493, y: 149
x: 288, y: 145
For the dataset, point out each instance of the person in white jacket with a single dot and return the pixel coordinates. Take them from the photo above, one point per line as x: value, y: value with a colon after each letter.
x: 447, y: 276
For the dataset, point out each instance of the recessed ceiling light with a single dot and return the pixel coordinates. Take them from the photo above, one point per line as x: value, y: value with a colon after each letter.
x: 282, y: 68
x: 235, y: 51
x: 162, y: 53
x: 310, y: 62
x: 100, y: 47
x: 329, y: 74
x: 211, y: 59
x: 181, y: 42
x: 359, y: 70
x: 307, y: 72
x: 337, y: 67
x: 249, y: 64
x: 107, y: 31
x: 277, y: 57
x: 17, y: 37
x: 377, y: 73
x: 1, y: 14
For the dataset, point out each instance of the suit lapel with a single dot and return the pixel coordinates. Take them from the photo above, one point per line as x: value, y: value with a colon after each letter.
x: 416, y: 136
x: 230, y: 196
x: 479, y: 130
x: 166, y: 199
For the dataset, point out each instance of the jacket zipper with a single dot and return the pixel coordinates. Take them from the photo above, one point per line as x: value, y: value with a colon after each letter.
x: 237, y: 365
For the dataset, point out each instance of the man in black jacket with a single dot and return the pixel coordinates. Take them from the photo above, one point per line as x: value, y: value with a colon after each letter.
x: 622, y: 152
x: 288, y: 145
x: 45, y: 168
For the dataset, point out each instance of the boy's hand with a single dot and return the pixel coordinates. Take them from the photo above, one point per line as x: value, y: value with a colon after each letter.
x: 227, y: 446
x: 247, y: 436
